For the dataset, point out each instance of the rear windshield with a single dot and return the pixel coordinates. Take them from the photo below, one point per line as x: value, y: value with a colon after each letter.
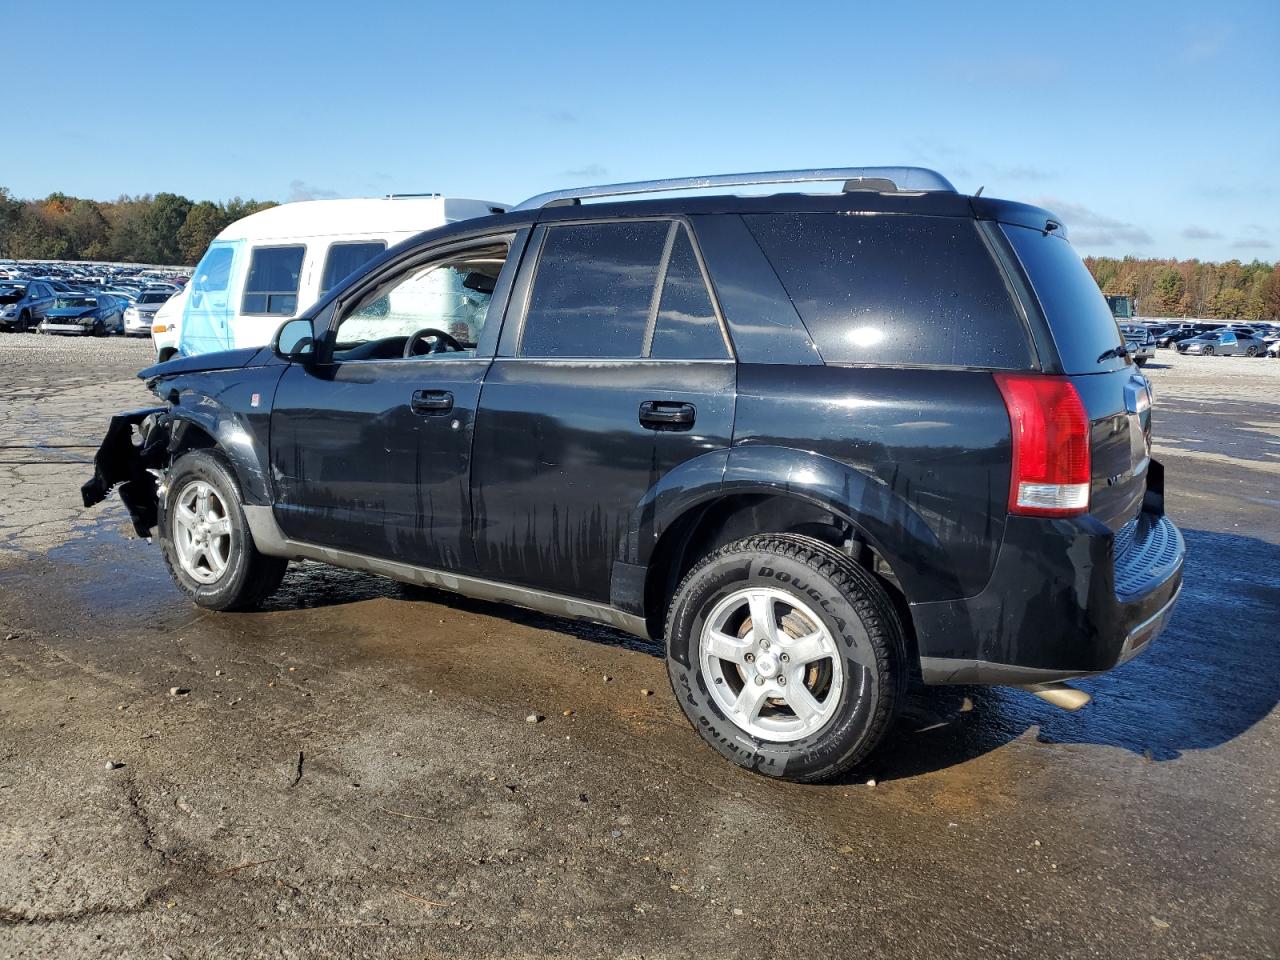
x: 900, y: 290
x: 1082, y: 324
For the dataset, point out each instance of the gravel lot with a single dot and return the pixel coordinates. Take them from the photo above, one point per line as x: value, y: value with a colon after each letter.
x: 351, y: 772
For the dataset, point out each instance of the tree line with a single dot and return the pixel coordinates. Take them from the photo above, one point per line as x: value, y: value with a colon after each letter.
x: 1193, y: 288
x: 165, y: 228
x: 168, y: 228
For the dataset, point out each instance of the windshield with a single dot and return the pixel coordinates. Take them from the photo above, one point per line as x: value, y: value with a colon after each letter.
x: 67, y: 303
x: 153, y: 298
x: 10, y: 293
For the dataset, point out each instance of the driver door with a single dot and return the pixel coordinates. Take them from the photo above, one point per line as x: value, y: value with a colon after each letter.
x: 370, y: 447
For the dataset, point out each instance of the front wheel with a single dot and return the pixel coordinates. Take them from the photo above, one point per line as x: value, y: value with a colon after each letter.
x: 24, y: 323
x: 1251, y: 351
x: 786, y: 656
x: 1207, y: 351
x: 206, y: 540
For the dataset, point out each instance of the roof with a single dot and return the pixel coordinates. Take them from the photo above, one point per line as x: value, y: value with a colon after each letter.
x: 318, y: 218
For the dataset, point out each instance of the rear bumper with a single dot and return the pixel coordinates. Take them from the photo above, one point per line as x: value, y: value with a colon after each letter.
x: 1067, y: 598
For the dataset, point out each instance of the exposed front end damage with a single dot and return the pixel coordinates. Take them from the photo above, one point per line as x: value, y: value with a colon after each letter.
x: 122, y: 462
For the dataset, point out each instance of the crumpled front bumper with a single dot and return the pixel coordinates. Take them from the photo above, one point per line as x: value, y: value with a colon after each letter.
x: 121, y: 462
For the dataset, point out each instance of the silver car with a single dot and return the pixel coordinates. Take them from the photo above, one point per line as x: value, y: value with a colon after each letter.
x: 1226, y: 342
x: 138, y: 317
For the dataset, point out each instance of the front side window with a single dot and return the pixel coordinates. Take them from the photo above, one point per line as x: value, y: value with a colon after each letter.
x: 629, y: 289
x: 443, y: 305
x: 271, y: 288
x: 344, y: 259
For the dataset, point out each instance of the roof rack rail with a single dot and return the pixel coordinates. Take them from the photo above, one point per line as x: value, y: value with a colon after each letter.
x: 880, y: 179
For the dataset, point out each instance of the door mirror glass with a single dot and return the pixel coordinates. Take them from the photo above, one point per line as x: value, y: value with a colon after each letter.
x: 295, y: 340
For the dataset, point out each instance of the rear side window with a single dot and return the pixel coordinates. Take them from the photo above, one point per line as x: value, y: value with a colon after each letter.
x: 895, y: 290
x: 593, y: 290
x: 1082, y: 325
x: 685, y: 326
x: 272, y: 285
x: 344, y: 259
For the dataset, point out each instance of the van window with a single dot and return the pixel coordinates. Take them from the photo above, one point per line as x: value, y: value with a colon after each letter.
x: 593, y: 290
x: 272, y: 285
x: 899, y: 290
x: 214, y: 270
x: 1082, y: 325
x: 344, y: 259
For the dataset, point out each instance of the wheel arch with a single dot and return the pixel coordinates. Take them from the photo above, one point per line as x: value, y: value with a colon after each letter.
x: 768, y: 489
x: 209, y: 424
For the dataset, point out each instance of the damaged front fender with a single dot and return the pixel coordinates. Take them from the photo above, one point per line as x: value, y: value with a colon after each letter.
x: 122, y: 462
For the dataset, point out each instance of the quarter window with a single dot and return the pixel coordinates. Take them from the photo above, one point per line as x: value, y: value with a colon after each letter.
x: 272, y: 285
x: 344, y: 259
x: 899, y: 290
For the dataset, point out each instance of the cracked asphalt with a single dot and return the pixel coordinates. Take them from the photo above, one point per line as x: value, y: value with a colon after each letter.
x: 350, y: 771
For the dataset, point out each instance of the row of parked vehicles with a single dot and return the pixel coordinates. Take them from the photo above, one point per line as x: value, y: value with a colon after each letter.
x: 117, y: 301
x: 1202, y: 338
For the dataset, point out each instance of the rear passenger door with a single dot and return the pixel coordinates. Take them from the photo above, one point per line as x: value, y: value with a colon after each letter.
x: 613, y: 370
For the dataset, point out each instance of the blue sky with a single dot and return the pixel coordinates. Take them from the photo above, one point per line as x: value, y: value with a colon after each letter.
x: 1151, y: 128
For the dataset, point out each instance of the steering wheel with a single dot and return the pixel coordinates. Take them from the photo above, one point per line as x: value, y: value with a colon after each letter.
x: 443, y: 343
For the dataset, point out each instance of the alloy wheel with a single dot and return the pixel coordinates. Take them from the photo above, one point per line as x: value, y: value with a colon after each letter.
x: 202, y: 532
x: 771, y: 664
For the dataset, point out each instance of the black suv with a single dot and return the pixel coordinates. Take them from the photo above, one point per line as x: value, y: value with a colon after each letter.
x: 820, y: 443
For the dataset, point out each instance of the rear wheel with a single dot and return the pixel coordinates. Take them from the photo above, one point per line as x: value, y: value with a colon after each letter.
x: 206, y: 541
x: 786, y: 656
x: 1250, y: 351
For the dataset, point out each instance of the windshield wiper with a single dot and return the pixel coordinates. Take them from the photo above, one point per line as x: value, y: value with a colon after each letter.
x: 1119, y: 352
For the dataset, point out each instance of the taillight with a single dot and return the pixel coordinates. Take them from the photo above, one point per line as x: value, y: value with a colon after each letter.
x: 1051, y: 473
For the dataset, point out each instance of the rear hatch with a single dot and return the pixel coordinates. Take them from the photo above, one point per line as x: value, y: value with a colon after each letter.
x: 1116, y: 396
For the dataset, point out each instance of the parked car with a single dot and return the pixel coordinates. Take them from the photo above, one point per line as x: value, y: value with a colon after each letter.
x: 83, y: 314
x: 1226, y: 342
x: 268, y: 266
x: 138, y: 317
x: 816, y: 453
x: 23, y: 304
x: 1140, y: 343
x: 166, y: 326
x: 1171, y: 338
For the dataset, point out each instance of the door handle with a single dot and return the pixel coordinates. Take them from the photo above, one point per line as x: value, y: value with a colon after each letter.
x: 666, y: 415
x: 431, y: 402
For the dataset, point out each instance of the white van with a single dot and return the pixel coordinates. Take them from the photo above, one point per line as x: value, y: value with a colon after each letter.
x: 267, y: 267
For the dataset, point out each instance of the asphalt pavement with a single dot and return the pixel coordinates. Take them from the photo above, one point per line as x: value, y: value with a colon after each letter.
x: 353, y: 771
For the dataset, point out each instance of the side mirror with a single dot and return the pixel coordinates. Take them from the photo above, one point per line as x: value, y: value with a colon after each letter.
x: 295, y: 341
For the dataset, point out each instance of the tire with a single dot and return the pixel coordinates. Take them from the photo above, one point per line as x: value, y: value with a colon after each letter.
x: 814, y: 591
x: 235, y: 576
x: 24, y: 323
x: 99, y: 330
x: 1141, y: 361
x: 1250, y: 351
x: 1206, y: 351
